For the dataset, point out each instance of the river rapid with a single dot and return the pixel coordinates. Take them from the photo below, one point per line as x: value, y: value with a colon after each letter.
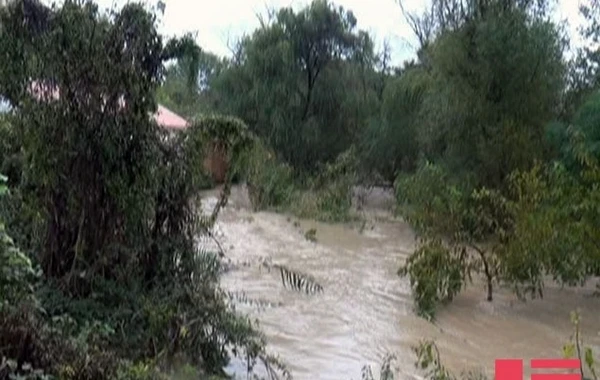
x: 366, y: 309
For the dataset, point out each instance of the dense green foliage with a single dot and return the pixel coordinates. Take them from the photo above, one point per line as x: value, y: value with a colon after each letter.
x: 105, y: 204
x: 508, y: 190
x: 294, y: 74
x: 325, y: 196
x: 490, y: 137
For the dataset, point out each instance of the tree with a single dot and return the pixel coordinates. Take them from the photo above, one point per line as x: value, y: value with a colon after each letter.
x: 114, y: 196
x: 318, y: 35
x: 589, y: 55
x: 462, y: 230
x: 545, y: 223
x: 443, y: 16
x: 497, y: 82
x: 291, y: 83
x: 89, y: 121
x: 556, y: 222
x: 390, y: 140
x: 190, y: 100
x: 584, y: 78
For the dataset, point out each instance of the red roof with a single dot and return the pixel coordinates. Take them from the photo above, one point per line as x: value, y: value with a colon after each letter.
x: 168, y: 119
x: 163, y: 116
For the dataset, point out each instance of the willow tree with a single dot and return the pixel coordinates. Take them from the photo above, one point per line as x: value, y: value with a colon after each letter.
x: 296, y: 81
x: 497, y: 82
x: 191, y: 99
x: 496, y: 76
x: 390, y: 140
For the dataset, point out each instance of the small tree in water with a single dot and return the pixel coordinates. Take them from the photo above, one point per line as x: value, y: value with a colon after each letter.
x: 461, y: 231
x: 545, y: 224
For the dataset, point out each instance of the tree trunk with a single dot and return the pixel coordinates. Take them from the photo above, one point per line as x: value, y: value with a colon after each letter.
x: 489, y: 289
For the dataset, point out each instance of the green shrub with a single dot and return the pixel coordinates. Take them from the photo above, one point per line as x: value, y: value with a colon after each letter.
x: 437, y: 274
x: 270, y: 182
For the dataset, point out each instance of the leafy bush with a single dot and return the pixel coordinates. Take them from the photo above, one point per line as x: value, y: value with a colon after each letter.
x: 428, y: 197
x: 437, y: 274
x: 462, y: 231
x: 544, y: 223
x: 269, y: 181
x: 273, y: 184
x: 576, y: 349
x: 328, y: 196
x: 385, y: 370
x: 439, y: 267
x: 16, y: 270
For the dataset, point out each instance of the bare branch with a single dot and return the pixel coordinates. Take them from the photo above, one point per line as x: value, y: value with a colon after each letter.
x: 423, y: 26
x: 271, y: 13
x: 235, y: 48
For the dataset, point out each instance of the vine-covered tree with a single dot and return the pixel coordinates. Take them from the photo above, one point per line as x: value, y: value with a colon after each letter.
x: 104, y: 201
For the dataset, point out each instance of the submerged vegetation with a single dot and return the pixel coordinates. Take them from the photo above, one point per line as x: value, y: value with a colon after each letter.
x: 489, y: 138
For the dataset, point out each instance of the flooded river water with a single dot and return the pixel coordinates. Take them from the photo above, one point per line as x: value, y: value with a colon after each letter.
x: 366, y: 310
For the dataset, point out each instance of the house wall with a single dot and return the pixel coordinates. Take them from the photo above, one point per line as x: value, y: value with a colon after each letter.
x: 216, y: 163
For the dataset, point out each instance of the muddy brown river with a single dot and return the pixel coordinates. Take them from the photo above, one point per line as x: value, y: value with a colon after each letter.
x: 366, y: 310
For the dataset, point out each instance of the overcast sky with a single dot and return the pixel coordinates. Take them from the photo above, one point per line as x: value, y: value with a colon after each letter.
x: 217, y: 21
